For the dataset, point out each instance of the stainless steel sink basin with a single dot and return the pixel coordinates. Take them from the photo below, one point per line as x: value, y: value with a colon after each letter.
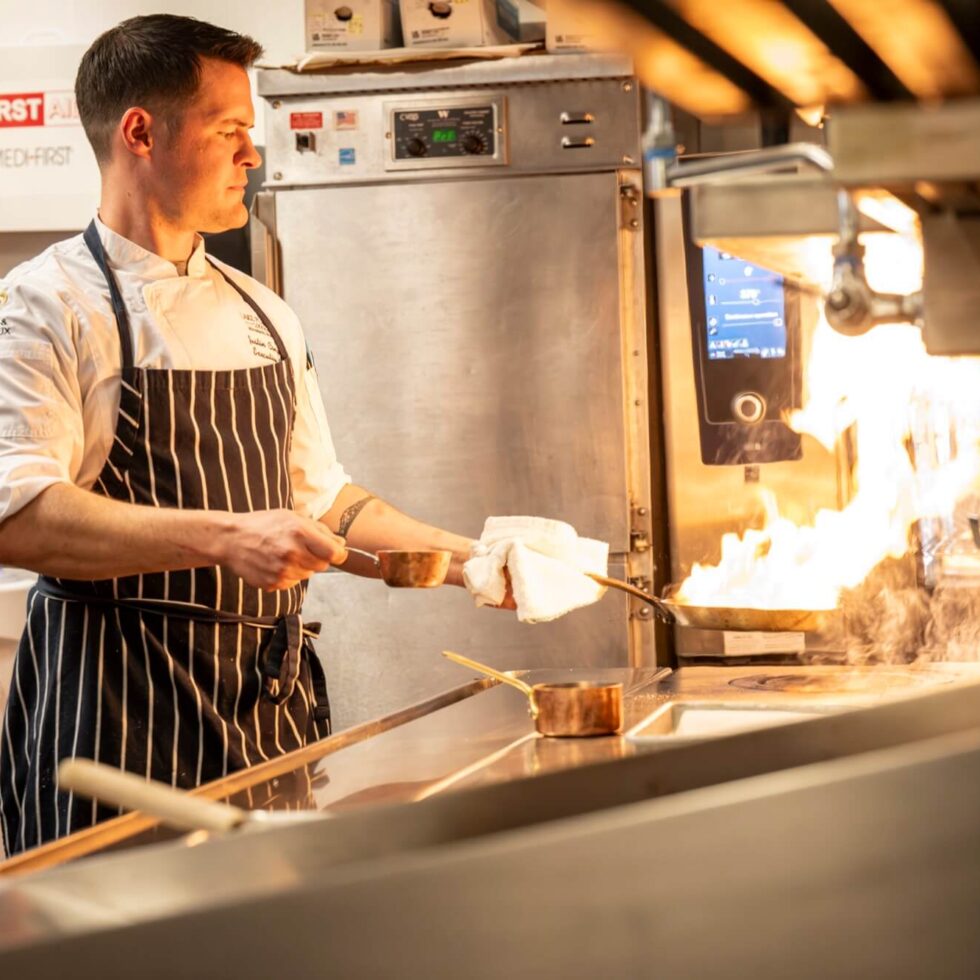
x: 691, y: 721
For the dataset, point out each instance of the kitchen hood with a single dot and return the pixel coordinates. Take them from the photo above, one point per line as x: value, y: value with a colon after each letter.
x: 896, y: 88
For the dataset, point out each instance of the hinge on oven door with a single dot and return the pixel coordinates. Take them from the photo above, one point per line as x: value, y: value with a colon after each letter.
x: 639, y: 541
x: 630, y: 199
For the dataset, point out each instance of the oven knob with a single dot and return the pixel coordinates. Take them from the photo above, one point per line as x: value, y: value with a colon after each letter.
x: 748, y: 407
x: 416, y: 147
x: 474, y: 143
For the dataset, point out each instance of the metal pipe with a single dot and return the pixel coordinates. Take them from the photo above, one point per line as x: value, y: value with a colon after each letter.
x: 659, y: 145
x: 852, y: 306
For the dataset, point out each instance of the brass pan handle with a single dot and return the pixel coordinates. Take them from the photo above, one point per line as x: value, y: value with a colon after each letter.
x: 663, y: 610
x: 484, y: 669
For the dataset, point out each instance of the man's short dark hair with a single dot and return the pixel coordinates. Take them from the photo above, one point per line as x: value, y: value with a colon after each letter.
x: 154, y: 62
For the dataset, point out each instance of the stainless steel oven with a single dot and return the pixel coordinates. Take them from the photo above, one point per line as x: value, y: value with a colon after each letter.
x: 464, y: 247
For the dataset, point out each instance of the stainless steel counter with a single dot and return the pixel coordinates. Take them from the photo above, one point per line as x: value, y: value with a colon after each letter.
x: 481, y: 734
x: 480, y: 731
x: 490, y: 738
x: 487, y: 738
x: 855, y: 833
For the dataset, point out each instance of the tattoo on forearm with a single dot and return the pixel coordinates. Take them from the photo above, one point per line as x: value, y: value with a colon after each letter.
x: 350, y: 515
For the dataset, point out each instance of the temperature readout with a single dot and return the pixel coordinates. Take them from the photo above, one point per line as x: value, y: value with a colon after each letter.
x: 453, y: 135
x: 745, y: 308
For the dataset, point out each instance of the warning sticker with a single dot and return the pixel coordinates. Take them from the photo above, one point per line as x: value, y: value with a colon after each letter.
x: 306, y: 120
x: 747, y: 642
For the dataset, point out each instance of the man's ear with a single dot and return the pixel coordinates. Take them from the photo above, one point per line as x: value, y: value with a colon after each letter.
x: 136, y: 129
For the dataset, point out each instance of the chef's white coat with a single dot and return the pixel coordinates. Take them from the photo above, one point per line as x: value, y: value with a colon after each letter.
x: 60, y: 361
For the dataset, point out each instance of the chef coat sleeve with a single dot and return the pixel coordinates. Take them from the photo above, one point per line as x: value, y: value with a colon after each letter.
x: 41, y: 430
x: 316, y: 474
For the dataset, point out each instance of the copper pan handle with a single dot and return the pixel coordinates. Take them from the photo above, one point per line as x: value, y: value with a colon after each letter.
x: 364, y: 554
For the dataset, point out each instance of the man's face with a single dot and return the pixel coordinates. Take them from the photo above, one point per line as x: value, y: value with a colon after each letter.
x: 199, y: 170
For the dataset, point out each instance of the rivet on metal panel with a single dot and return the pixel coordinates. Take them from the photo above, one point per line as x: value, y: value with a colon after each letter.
x: 634, y: 223
x: 636, y: 353
x: 276, y: 104
x: 644, y: 612
x: 637, y: 402
x: 277, y: 175
x: 642, y: 511
x: 627, y: 86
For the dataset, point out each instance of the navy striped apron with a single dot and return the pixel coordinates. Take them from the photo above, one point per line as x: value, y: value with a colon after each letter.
x: 181, y: 676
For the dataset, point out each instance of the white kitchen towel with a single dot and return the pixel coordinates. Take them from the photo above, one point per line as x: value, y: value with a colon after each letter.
x: 545, y: 559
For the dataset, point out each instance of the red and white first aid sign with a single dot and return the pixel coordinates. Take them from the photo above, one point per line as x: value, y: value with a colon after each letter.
x: 49, y: 180
x: 38, y: 109
x: 22, y: 109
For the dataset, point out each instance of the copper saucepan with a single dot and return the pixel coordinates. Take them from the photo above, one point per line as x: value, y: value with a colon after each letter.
x: 409, y: 569
x: 725, y: 617
x: 575, y: 709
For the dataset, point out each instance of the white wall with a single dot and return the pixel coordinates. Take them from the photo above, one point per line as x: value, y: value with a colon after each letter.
x: 277, y: 24
x: 66, y: 27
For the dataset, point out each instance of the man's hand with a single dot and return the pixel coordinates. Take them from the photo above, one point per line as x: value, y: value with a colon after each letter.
x: 275, y: 549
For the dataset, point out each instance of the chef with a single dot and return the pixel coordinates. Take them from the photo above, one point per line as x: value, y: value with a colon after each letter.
x: 165, y: 462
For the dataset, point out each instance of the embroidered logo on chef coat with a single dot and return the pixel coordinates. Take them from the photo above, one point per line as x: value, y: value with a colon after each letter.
x: 4, y: 329
x: 260, y: 339
x: 3, y: 295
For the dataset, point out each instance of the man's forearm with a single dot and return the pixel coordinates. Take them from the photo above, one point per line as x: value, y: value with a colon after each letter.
x: 72, y: 533
x: 378, y: 525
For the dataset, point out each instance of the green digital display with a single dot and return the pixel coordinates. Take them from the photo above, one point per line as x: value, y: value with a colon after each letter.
x: 444, y: 136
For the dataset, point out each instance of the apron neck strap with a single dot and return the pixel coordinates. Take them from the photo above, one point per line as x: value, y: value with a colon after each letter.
x: 94, y: 244
x: 257, y: 310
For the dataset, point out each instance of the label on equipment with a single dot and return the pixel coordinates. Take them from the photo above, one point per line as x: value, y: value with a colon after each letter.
x: 737, y: 642
x: 306, y: 120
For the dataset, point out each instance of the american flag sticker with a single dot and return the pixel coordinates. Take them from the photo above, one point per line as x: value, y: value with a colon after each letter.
x: 345, y: 119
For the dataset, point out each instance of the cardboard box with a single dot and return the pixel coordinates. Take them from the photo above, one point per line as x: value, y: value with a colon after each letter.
x: 454, y: 24
x: 523, y: 20
x: 351, y: 25
x: 566, y: 30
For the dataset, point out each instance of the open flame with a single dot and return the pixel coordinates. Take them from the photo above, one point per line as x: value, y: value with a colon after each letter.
x: 915, y: 420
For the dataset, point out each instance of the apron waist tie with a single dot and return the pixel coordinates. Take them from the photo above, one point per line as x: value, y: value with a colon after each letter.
x: 279, y: 659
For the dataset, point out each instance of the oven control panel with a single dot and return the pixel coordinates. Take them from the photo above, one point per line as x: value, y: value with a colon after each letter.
x: 449, y: 133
